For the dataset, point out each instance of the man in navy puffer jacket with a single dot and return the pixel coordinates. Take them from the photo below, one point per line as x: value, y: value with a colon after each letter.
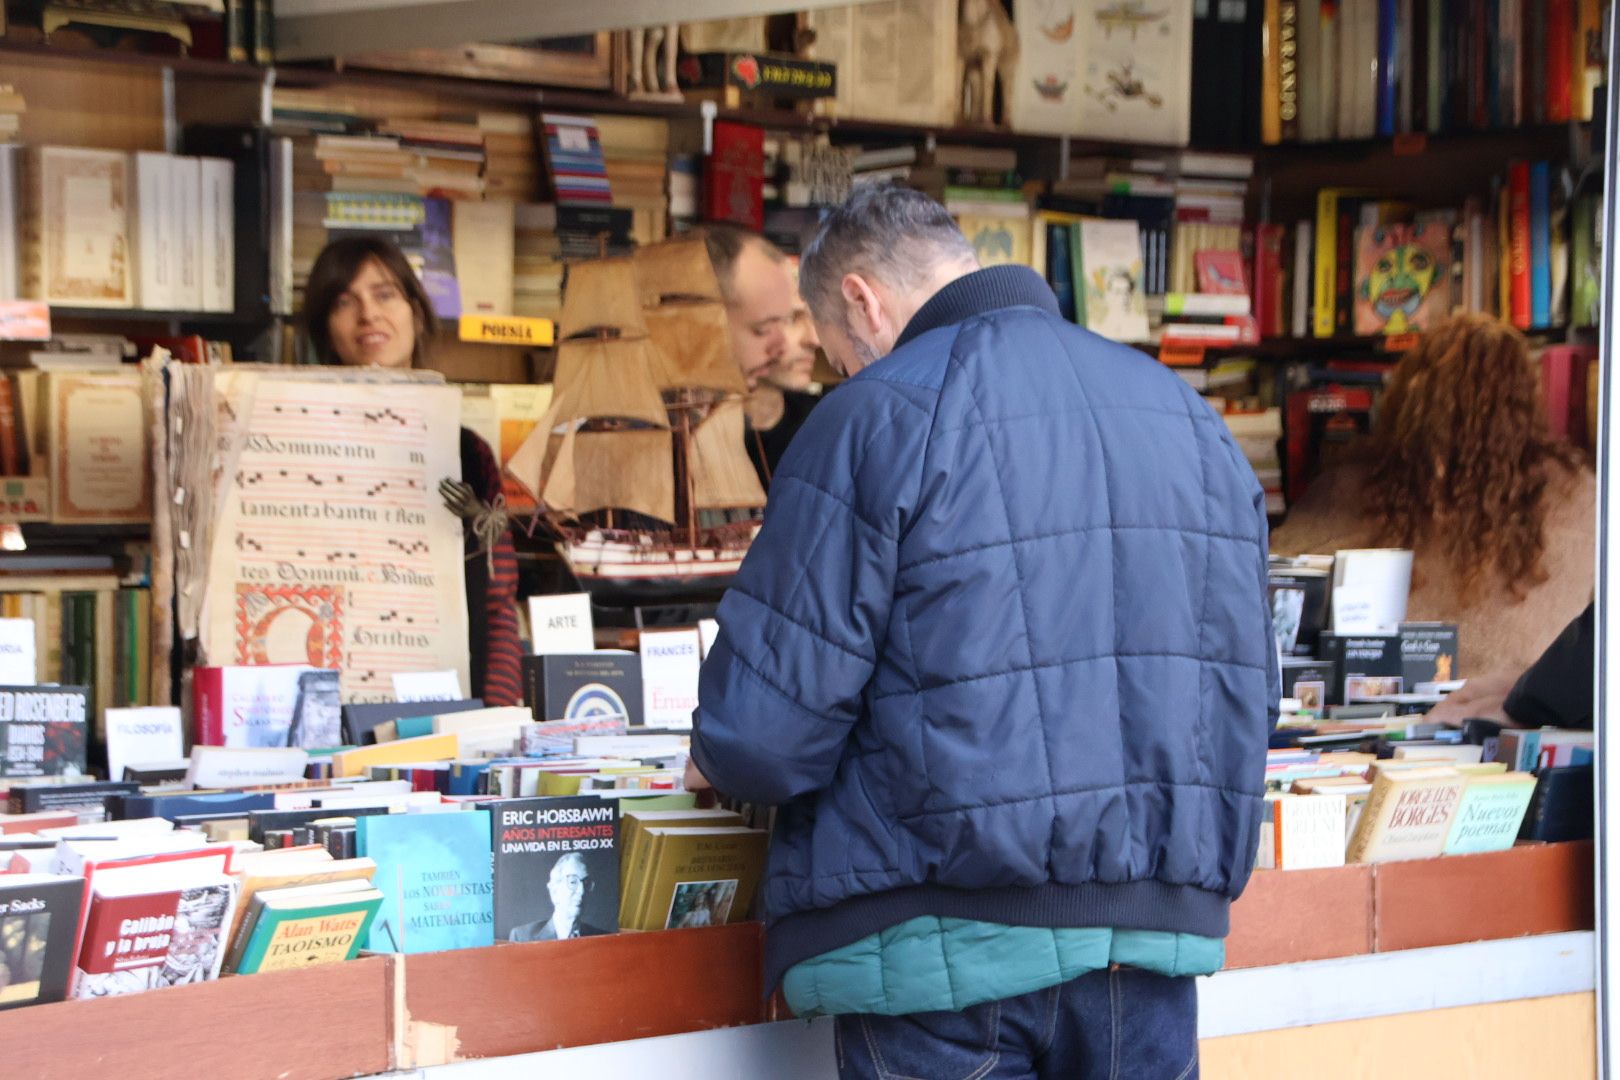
x: 1002, y: 655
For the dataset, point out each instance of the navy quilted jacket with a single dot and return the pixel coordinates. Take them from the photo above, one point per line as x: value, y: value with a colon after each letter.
x: 1001, y: 651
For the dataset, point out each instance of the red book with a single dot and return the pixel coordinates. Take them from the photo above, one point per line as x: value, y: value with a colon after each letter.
x: 1563, y: 388
x: 153, y: 927
x: 734, y: 179
x: 1519, y: 243
x: 1560, y: 56
x: 244, y: 706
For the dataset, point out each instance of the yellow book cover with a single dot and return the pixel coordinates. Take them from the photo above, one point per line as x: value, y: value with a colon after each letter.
x: 399, y: 752
x: 636, y: 822
x: 1408, y: 815
x: 702, y: 877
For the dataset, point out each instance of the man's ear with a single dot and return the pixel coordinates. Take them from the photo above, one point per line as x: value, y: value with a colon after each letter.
x: 862, y: 301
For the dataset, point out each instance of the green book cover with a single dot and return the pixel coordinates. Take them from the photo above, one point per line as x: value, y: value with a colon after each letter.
x: 1077, y: 268
x: 411, y: 727
x: 1489, y: 815
x: 305, y: 933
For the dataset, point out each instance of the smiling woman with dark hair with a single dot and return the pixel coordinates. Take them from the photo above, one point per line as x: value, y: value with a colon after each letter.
x: 364, y: 307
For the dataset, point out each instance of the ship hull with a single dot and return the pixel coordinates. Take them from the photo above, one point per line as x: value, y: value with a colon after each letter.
x: 641, y: 570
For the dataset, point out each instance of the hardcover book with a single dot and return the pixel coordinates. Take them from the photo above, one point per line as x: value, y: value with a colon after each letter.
x: 1369, y: 665
x: 1403, y: 278
x: 38, y: 916
x: 304, y: 926
x: 1109, y: 279
x: 268, y: 705
x: 43, y: 732
x: 75, y: 218
x: 1429, y: 653
x: 154, y: 926
x: 1308, y: 681
x: 1302, y: 832
x: 696, y: 876
x: 1299, y: 607
x: 1408, y: 815
x: 584, y: 686
x: 556, y: 868
x: 1492, y: 810
x: 433, y: 870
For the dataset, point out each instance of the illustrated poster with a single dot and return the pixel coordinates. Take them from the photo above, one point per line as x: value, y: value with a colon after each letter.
x: 1135, y: 63
x: 1403, y: 278
x: 331, y: 545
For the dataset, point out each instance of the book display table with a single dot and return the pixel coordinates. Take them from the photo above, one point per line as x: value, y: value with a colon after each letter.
x: 1363, y: 968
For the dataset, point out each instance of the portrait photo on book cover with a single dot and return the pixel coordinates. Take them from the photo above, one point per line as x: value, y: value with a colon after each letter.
x: 701, y: 903
x: 580, y: 900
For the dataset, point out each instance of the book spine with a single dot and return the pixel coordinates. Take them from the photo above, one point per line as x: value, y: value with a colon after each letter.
x: 8, y: 430
x: 1271, y: 75
x: 1587, y: 63
x: 1540, y: 246
x: 1415, y: 100
x: 1344, y: 273
x: 1560, y: 37
x: 1481, y: 35
x: 1388, y: 64
x: 1519, y: 308
x: 1328, y: 77
x: 1327, y: 231
x: 236, y: 31
x: 208, y: 704
x: 1300, y: 324
x: 1288, y: 70
x: 1362, y: 840
x: 264, y: 31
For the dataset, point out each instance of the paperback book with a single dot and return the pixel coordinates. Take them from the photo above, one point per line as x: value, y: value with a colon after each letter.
x: 556, y: 868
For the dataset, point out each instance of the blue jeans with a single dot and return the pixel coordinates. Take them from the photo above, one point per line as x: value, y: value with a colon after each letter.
x: 1113, y: 1024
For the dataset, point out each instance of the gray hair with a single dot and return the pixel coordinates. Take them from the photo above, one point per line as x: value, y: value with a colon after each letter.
x: 895, y: 234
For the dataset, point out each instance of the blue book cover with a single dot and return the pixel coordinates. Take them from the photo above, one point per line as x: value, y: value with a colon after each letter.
x: 434, y: 872
x: 439, y: 260
x: 1059, y: 268
x: 1540, y: 246
x: 1388, y: 62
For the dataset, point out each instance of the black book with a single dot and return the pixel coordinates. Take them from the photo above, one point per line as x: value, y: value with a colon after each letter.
x: 1368, y: 665
x: 1560, y: 809
x: 1429, y: 653
x: 173, y: 805
x: 584, y: 685
x: 1225, y: 92
x: 1308, y: 680
x: 1299, y: 608
x: 556, y: 865
x: 37, y: 798
x: 39, y: 921
x: 158, y: 774
x: 259, y: 821
x: 360, y: 721
x: 43, y: 731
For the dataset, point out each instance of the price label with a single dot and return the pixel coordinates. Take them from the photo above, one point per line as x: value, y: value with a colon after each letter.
x: 1399, y: 343
x: 506, y: 330
x: 1410, y: 144
x: 24, y: 320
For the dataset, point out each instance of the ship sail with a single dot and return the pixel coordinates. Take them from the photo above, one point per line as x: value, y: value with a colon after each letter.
x: 601, y: 295
x: 675, y: 270
x: 614, y: 470
x: 722, y: 476
x: 611, y: 378
x: 694, y: 347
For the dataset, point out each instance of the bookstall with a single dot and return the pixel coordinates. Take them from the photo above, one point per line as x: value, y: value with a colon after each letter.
x: 298, y: 709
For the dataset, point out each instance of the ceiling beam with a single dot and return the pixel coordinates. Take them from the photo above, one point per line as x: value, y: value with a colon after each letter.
x: 323, y: 29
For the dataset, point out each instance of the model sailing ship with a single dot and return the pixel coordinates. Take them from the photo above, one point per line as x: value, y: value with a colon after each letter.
x: 640, y: 464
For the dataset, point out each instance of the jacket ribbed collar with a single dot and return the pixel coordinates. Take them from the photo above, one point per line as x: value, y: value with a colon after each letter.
x: 976, y: 293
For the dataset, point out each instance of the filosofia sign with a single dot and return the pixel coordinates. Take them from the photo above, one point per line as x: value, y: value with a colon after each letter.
x: 507, y: 330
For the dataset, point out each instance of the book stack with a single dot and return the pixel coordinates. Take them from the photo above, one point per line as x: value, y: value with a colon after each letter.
x: 1376, y: 68
x: 12, y: 106
x: 538, y: 268
x: 445, y: 158
x: 1259, y: 435
x: 511, y: 159
x: 688, y: 869
x: 575, y: 163
x: 636, y: 155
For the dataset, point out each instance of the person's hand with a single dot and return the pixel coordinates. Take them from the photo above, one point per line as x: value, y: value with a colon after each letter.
x: 1481, y: 697
x: 695, y: 780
